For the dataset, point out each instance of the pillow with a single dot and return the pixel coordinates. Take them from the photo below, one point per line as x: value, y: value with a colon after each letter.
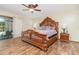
x: 46, y: 28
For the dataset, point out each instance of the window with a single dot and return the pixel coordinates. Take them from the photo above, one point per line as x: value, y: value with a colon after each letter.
x: 2, y: 26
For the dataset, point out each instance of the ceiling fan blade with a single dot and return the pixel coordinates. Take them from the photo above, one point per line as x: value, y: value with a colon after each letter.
x: 24, y: 5
x: 37, y: 9
x: 25, y: 9
x: 35, y: 5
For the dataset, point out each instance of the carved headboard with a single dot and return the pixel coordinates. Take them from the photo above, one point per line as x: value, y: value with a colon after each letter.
x: 49, y: 22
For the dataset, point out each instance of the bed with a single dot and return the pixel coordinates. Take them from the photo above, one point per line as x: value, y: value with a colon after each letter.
x: 44, y: 37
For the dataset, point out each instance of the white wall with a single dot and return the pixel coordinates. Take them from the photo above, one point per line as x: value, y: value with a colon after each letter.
x: 17, y: 27
x: 26, y: 24
x: 70, y: 21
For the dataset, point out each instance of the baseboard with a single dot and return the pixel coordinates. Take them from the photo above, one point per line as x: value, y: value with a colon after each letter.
x: 75, y: 40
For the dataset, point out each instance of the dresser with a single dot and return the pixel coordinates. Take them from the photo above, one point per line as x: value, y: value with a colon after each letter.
x: 64, y: 37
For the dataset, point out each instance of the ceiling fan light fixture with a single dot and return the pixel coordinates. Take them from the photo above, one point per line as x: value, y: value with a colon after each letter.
x: 31, y: 10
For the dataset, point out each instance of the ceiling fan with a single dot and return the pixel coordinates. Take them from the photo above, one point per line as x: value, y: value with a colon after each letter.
x: 31, y: 7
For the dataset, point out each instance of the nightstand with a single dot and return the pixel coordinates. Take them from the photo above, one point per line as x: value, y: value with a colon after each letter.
x: 64, y: 37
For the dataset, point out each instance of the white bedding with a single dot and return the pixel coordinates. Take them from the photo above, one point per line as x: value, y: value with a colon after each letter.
x: 47, y: 32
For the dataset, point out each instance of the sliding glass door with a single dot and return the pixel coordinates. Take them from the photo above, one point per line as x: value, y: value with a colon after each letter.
x: 6, y: 27
x: 2, y: 26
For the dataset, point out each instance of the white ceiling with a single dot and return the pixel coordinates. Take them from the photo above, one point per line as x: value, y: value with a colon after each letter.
x: 47, y: 9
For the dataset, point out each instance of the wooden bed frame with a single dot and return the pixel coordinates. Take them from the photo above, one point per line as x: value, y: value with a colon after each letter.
x: 40, y: 40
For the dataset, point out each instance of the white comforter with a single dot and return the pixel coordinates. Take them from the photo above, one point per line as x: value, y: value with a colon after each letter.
x: 47, y: 32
